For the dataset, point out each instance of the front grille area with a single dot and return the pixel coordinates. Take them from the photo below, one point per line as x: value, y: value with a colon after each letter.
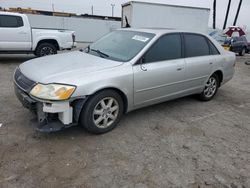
x: 23, y: 82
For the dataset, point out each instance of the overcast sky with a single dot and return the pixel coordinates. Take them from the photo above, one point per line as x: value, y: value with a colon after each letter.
x: 102, y: 7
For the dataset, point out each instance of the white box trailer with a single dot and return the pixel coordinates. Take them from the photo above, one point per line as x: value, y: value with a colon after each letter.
x: 151, y: 15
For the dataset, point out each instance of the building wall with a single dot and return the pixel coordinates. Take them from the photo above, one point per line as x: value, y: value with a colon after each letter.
x: 87, y: 29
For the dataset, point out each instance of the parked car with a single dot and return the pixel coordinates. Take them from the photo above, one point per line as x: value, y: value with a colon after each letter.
x: 17, y: 36
x: 236, y: 44
x: 123, y: 71
x: 220, y: 38
x: 248, y: 47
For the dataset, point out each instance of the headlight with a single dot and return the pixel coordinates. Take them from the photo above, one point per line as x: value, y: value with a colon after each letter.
x: 52, y: 91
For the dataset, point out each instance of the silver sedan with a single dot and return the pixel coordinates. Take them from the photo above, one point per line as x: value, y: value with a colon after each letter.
x: 123, y: 71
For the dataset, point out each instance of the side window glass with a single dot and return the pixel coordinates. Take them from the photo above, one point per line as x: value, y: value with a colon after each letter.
x: 196, y: 45
x: 10, y: 21
x: 167, y: 47
x: 213, y: 49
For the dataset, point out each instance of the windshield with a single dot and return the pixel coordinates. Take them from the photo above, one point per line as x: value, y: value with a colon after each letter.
x: 120, y: 45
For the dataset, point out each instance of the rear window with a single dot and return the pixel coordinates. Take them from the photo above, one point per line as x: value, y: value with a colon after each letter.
x: 196, y: 45
x: 213, y: 49
x: 10, y: 21
x: 244, y: 39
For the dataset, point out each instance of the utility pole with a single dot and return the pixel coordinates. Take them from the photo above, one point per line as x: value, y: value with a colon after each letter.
x: 53, y: 7
x: 112, y: 5
x: 228, y: 9
x: 237, y: 14
x: 214, y: 15
x: 92, y: 10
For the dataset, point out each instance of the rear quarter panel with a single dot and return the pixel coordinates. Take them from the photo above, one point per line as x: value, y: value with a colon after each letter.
x: 228, y: 64
x: 224, y: 62
x: 63, y: 38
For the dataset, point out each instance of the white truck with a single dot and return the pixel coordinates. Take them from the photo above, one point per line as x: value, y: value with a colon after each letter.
x: 17, y: 36
x: 152, y: 15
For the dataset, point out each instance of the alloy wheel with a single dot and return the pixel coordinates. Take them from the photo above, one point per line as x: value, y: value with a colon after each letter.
x: 210, y: 87
x: 105, y: 112
x: 46, y: 51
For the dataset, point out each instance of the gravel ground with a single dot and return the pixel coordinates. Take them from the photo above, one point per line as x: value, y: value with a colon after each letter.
x: 181, y: 143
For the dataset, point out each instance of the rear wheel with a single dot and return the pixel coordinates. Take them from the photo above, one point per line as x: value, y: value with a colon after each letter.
x: 210, y: 89
x: 243, y: 52
x: 102, y: 112
x: 45, y: 49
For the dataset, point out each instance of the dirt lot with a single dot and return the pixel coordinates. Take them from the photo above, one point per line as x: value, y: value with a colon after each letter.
x: 182, y: 143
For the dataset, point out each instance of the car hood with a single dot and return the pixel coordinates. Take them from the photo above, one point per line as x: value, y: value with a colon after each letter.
x: 62, y: 68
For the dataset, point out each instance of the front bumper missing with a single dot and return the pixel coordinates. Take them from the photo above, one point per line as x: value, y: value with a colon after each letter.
x: 52, y: 116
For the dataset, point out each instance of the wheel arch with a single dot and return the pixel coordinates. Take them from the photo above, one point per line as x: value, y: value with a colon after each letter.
x: 220, y: 75
x: 50, y: 41
x: 120, y: 92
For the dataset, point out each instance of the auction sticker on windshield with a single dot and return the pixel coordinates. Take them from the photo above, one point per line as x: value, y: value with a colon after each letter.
x: 140, y: 38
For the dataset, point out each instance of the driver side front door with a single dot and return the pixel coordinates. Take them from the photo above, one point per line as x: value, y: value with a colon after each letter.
x: 161, y: 74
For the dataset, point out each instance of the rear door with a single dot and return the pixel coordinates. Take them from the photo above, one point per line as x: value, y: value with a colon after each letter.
x: 237, y: 44
x: 161, y: 74
x: 14, y: 36
x: 199, y: 62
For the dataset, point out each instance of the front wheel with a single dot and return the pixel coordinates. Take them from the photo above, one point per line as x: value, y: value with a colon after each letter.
x: 210, y: 89
x: 102, y: 112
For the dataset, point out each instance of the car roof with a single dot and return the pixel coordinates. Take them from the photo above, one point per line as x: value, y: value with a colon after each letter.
x: 160, y: 31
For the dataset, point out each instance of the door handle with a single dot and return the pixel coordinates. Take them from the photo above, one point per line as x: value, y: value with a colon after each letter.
x: 179, y: 68
x: 143, y: 68
x: 211, y: 63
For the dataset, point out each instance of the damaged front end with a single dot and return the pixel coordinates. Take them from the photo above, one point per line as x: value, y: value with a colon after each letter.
x: 52, y: 115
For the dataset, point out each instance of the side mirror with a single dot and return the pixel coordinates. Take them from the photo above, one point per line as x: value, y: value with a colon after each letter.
x: 87, y: 49
x: 142, y: 64
x: 142, y: 60
x: 232, y: 40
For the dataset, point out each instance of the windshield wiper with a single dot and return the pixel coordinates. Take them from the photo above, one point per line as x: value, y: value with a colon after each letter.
x: 102, y: 54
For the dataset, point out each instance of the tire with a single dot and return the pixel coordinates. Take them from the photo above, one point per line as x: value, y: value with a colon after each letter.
x: 210, y: 89
x: 102, y: 112
x: 247, y: 51
x: 45, y: 49
x: 243, y: 52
